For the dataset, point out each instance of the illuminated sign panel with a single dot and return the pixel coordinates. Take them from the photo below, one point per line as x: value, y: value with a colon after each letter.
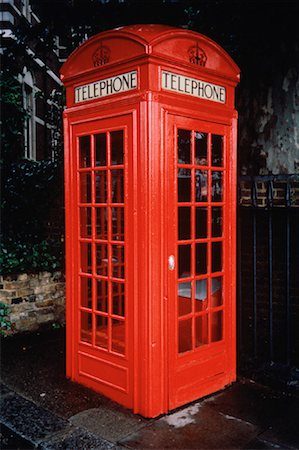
x: 191, y: 86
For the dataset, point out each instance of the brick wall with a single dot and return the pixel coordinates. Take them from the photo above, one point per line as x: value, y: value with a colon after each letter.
x: 34, y: 300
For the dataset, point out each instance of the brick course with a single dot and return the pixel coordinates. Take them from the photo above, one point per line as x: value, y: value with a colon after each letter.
x: 33, y: 299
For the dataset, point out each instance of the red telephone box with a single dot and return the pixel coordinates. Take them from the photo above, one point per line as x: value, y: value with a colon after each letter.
x: 150, y: 182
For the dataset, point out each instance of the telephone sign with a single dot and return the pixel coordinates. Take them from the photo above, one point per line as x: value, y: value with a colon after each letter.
x: 150, y: 190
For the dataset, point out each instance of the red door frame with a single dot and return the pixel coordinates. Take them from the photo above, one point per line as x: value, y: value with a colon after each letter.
x: 176, y: 394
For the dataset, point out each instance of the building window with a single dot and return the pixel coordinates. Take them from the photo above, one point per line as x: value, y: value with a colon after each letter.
x: 29, y: 106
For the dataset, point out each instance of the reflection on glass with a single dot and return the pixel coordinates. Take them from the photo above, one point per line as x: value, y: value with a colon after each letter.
x: 84, y: 151
x: 216, y: 294
x: 201, y: 215
x: 102, y: 295
x: 102, y: 259
x: 184, y: 219
x: 118, y: 336
x: 185, y: 335
x: 118, y: 299
x: 101, y: 223
x: 217, y: 326
x: 118, y: 261
x: 86, y: 257
x: 201, y: 258
x: 184, y: 266
x: 184, y: 185
x: 201, y: 148
x: 117, y: 188
x: 217, y: 150
x: 217, y: 188
x: 216, y: 256
x: 216, y: 221
x: 86, y: 327
x: 117, y: 147
x: 201, y: 295
x: 184, y: 147
x: 101, y: 187
x: 100, y: 149
x: 201, y: 186
x: 101, y: 332
x: 118, y: 223
x: 184, y: 298
x: 201, y: 330
x: 86, y: 292
x: 85, y: 188
x: 85, y: 222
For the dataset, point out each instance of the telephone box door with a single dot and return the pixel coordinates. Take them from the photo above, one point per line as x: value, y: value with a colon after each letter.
x: 101, y: 308
x: 201, y: 322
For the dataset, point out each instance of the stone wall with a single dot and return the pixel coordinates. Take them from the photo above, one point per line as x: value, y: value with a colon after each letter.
x: 34, y: 300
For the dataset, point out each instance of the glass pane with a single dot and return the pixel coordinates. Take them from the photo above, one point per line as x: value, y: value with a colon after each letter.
x: 86, y: 292
x: 118, y: 299
x: 118, y: 336
x: 184, y: 298
x: 201, y: 330
x: 84, y: 151
x: 85, y: 222
x: 101, y: 186
x: 102, y: 331
x: 102, y: 259
x: 102, y: 295
x: 217, y: 150
x: 100, y: 148
x: 85, y: 188
x: 201, y: 223
x: 201, y: 295
x: 216, y: 256
x: 201, y: 258
x: 86, y: 257
x: 201, y: 148
x: 101, y: 223
x: 118, y: 224
x: 184, y: 266
x: 216, y: 297
x: 185, y: 335
x: 184, y: 216
x: 117, y: 147
x: 217, y: 326
x: 184, y: 147
x: 184, y: 185
x: 217, y: 188
x: 118, y: 261
x: 117, y: 188
x: 201, y: 186
x: 86, y: 327
x: 216, y: 222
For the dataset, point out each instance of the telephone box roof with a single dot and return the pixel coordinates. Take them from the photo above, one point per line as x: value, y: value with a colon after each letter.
x: 123, y: 44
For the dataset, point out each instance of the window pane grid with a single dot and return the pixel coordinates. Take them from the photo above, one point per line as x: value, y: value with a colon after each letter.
x: 200, y: 238
x: 102, y: 240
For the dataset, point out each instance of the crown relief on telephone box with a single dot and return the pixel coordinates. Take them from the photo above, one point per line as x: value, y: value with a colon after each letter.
x: 150, y: 174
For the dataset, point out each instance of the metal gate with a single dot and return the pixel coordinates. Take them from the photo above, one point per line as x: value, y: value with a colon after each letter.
x: 268, y: 275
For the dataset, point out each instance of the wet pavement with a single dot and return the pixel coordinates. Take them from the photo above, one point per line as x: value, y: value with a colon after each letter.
x: 40, y: 408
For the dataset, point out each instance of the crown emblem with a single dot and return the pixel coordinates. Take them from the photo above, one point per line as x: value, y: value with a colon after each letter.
x: 101, y: 56
x: 197, y: 55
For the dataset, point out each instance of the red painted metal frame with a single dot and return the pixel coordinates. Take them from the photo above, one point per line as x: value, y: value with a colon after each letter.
x: 146, y: 379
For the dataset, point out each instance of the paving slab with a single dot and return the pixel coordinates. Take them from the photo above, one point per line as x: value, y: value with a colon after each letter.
x: 11, y: 440
x: 194, y: 427
x: 29, y: 420
x: 108, y: 423
x: 75, y: 439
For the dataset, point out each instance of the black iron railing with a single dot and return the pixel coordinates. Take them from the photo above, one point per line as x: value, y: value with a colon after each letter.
x: 268, y: 271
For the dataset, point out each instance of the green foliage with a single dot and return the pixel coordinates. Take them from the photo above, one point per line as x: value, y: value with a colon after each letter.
x: 5, y: 323
x: 18, y: 257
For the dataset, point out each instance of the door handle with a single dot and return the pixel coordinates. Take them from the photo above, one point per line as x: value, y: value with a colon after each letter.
x: 171, y: 262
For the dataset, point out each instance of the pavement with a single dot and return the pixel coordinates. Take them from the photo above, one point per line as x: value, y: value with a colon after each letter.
x: 41, y: 409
